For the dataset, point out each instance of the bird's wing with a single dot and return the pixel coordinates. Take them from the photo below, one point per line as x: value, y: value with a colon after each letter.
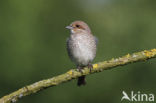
x: 68, y: 47
x: 96, y: 40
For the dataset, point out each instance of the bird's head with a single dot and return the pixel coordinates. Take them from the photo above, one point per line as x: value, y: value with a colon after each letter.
x: 78, y: 27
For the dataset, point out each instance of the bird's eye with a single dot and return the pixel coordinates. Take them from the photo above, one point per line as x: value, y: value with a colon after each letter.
x: 77, y: 26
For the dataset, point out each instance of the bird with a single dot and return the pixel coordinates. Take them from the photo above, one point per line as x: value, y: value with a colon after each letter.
x: 81, y: 47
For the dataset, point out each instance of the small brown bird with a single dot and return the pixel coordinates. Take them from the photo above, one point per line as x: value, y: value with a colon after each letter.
x: 81, y: 47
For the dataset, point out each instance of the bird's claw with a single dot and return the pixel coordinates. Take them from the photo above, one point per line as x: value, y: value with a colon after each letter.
x: 80, y: 69
x: 90, y: 66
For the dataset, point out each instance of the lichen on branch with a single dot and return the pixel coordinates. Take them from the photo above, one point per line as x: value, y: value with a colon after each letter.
x: 74, y: 73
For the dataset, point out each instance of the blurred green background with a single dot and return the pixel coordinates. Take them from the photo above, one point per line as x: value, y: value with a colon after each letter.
x: 33, y: 47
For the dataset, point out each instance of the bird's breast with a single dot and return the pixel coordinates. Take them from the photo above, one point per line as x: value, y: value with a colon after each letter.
x: 83, y: 49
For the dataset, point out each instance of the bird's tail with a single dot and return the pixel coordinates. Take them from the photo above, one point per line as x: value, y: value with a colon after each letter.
x: 81, y: 81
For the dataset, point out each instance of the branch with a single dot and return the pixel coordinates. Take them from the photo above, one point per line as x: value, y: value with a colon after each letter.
x: 73, y: 73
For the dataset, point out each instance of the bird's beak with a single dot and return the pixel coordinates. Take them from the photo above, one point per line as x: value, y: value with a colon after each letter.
x: 69, y: 27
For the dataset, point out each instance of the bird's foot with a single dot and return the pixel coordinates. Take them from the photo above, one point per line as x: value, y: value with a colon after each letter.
x: 80, y: 69
x: 90, y: 66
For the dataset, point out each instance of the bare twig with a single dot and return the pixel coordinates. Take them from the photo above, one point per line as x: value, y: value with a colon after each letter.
x: 73, y: 73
